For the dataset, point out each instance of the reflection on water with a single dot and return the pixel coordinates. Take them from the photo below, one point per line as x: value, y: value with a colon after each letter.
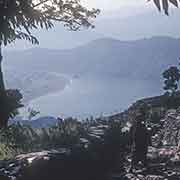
x: 88, y: 96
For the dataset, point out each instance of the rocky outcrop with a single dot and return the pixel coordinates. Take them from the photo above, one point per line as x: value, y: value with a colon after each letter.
x: 75, y: 164
x: 65, y: 164
x: 79, y: 163
x: 156, y: 172
x: 155, y: 107
x: 34, y: 165
x: 169, y: 134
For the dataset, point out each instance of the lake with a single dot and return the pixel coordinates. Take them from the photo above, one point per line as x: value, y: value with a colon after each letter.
x: 88, y: 96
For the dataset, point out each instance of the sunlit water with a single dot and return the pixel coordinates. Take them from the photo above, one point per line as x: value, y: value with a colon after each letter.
x: 84, y: 97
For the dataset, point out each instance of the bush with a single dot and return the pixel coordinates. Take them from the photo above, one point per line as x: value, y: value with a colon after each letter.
x: 100, y: 155
x: 24, y: 139
x: 6, y: 152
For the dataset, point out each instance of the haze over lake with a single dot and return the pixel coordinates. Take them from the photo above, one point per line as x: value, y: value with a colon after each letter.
x: 89, y: 96
x: 103, y: 76
x: 109, y: 67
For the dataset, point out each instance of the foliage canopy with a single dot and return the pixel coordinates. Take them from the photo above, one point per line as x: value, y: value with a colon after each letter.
x: 19, y: 17
x: 172, y: 77
x: 164, y: 4
x: 11, y: 101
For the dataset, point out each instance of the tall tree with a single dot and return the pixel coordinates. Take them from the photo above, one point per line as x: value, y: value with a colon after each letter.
x: 172, y: 77
x: 18, y: 19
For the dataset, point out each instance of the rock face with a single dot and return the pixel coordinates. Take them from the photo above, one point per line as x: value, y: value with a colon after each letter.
x: 142, y: 177
x: 169, y: 134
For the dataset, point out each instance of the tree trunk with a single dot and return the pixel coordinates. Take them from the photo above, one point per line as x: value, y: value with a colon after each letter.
x: 2, y: 86
x: 3, y: 109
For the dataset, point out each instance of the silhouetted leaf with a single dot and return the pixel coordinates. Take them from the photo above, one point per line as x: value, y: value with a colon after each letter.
x: 164, y: 4
x: 157, y: 3
x: 19, y: 17
x: 174, y: 2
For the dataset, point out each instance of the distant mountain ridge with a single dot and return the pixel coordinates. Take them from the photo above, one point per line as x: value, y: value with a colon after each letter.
x: 42, y: 122
x: 143, y: 59
x: 106, y: 56
x: 137, y: 24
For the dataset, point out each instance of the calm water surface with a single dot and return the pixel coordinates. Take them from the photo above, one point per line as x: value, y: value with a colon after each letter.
x: 88, y: 96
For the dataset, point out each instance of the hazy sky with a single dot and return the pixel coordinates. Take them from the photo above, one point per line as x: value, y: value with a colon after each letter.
x: 116, y: 4
x: 113, y: 10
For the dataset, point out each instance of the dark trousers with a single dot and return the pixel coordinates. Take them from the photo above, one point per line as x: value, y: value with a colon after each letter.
x: 139, y: 155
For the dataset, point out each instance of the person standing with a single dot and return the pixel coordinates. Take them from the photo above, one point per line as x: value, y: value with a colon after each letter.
x: 140, y: 139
